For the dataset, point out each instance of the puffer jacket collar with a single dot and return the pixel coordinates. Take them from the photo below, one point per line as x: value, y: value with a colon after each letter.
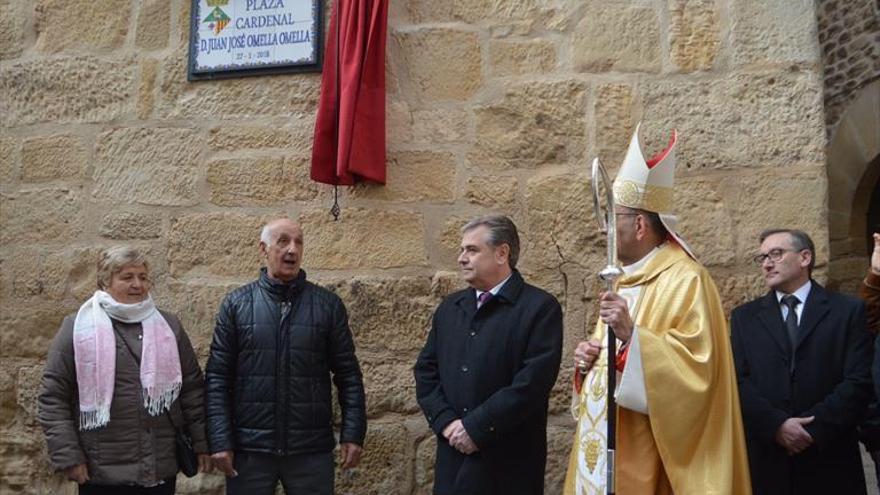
x: 282, y: 291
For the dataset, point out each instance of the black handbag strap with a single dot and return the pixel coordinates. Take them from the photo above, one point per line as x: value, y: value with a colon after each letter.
x: 138, y: 361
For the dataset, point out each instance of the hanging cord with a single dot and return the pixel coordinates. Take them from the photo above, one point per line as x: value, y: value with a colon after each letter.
x: 334, y: 210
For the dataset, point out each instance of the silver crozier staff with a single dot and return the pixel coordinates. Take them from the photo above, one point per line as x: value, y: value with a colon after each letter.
x: 608, y: 224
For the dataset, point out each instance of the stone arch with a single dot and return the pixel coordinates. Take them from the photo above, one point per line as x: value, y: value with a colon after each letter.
x: 853, y: 169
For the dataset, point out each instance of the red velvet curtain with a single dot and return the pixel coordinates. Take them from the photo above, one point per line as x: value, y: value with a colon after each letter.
x: 349, y: 143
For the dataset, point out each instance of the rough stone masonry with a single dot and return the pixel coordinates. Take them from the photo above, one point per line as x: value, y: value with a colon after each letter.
x: 493, y: 106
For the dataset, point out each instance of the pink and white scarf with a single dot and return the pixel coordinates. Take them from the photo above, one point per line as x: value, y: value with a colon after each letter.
x: 94, y: 350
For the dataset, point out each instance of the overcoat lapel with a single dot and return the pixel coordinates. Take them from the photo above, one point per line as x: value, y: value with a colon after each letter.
x: 468, y: 302
x: 815, y: 310
x: 771, y: 318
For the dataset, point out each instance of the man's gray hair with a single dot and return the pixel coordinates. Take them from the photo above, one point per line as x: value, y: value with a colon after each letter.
x: 266, y: 235
x: 799, y: 242
x: 502, y: 230
x: 113, y: 259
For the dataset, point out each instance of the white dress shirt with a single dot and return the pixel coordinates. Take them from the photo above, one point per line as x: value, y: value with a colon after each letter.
x: 494, y: 290
x: 801, y: 294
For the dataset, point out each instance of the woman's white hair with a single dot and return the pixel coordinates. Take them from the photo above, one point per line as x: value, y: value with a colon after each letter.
x: 113, y: 259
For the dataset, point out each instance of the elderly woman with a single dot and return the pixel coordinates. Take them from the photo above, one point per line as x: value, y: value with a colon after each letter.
x: 120, y: 376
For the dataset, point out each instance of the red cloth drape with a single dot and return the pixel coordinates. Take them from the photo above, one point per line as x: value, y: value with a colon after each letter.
x: 349, y: 143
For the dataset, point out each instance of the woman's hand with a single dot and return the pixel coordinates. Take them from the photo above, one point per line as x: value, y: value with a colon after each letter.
x: 205, y: 463
x: 78, y: 473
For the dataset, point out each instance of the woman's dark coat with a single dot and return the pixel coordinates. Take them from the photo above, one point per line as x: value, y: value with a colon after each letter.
x: 133, y: 447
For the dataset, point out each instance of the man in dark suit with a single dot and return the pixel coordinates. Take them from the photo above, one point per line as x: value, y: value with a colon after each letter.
x: 803, y: 361
x: 484, y: 376
x: 870, y: 292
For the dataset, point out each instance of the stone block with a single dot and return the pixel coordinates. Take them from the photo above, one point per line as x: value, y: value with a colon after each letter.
x: 561, y: 225
x: 445, y: 283
x: 430, y: 126
x: 353, y: 243
x: 33, y: 277
x: 617, y: 38
x: 388, y: 315
x: 472, y: 11
x: 737, y: 121
x: 704, y: 219
x: 224, y: 244
x: 230, y: 99
x: 532, y: 124
x: 694, y: 34
x: 773, y: 33
x: 559, y: 442
x: 780, y: 200
x: 65, y: 90
x: 153, y: 25
x: 39, y: 215
x: 39, y: 320
x: 27, y: 388
x: 21, y: 450
x: 385, y: 468
x: 72, y: 26
x: 53, y: 157
x: 196, y: 303
x: 10, y: 155
x: 426, y: 456
x: 560, y: 394
x: 13, y: 18
x: 390, y: 386
x: 260, y: 181
x: 152, y: 166
x: 739, y: 287
x: 147, y: 88
x: 449, y: 239
x: 227, y: 138
x: 497, y: 192
x: 614, y: 124
x: 201, y: 484
x: 125, y: 225
x: 181, y: 31
x: 8, y: 404
x: 414, y: 176
x: 573, y: 283
x: 438, y: 63
x: 515, y: 58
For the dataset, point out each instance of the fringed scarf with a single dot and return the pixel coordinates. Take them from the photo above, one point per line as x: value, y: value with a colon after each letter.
x: 94, y: 349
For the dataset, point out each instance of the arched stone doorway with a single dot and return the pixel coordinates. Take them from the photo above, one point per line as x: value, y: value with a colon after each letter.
x: 853, y: 184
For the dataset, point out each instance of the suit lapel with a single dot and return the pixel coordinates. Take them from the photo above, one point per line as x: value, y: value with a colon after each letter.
x: 815, y: 310
x: 771, y: 317
x: 467, y: 301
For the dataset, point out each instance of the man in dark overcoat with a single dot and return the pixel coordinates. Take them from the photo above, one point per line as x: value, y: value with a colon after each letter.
x: 484, y: 376
x: 803, y: 360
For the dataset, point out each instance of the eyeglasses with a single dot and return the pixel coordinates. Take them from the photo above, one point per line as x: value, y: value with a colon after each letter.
x: 774, y: 255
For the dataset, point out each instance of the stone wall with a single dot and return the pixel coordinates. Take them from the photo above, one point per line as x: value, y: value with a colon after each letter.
x: 849, y: 35
x: 493, y: 106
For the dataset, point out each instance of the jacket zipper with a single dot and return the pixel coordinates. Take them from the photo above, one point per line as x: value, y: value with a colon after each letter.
x: 285, y: 369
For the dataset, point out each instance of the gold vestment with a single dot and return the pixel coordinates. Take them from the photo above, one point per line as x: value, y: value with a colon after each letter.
x: 692, y: 441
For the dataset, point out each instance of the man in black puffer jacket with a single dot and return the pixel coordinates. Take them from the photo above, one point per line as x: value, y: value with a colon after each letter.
x: 277, y: 343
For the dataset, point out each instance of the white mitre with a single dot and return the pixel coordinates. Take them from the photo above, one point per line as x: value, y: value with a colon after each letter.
x: 649, y: 184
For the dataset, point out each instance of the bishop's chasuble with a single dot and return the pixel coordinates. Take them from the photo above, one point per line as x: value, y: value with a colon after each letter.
x: 691, y: 440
